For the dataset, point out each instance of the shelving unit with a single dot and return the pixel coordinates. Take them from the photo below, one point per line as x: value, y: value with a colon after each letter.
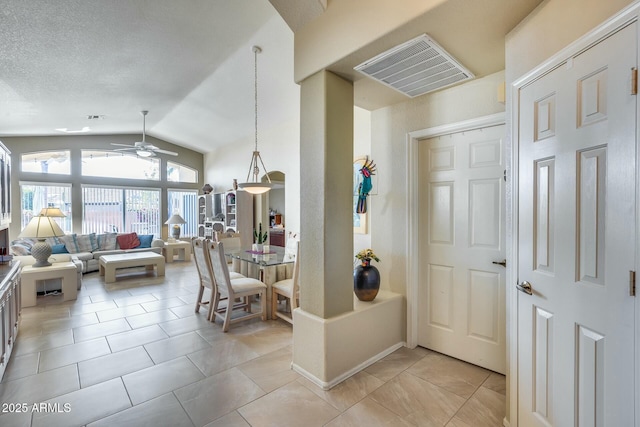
x: 230, y: 211
x: 5, y: 185
x: 205, y: 214
x: 238, y: 215
x: 237, y: 209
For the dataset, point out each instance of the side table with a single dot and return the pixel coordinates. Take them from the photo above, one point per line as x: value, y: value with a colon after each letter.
x: 67, y: 271
x: 182, y: 249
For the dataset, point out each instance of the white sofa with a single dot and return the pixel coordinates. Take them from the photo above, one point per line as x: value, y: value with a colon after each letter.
x: 89, y: 259
x: 53, y: 284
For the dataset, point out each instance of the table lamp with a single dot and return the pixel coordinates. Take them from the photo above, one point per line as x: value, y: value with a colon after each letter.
x: 52, y: 212
x: 41, y: 227
x: 175, y: 220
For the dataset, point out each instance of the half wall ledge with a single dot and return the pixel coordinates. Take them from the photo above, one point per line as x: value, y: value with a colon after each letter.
x: 328, y: 351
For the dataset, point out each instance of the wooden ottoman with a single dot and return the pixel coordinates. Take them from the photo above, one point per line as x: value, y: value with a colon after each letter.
x: 110, y: 263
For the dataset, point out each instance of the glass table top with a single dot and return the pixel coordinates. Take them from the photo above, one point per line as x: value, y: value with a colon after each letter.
x: 275, y: 256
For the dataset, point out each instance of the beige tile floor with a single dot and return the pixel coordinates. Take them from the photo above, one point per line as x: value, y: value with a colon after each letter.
x: 135, y: 354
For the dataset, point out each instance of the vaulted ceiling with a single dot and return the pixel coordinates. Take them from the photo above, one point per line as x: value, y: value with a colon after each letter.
x: 189, y: 63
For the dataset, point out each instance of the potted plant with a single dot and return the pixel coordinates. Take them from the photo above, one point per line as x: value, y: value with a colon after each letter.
x: 366, y: 277
x: 259, y: 238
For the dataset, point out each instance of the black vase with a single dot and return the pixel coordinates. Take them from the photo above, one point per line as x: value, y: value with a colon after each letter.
x: 366, y: 282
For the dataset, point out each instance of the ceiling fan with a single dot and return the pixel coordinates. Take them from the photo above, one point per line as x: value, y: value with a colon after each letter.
x: 143, y: 148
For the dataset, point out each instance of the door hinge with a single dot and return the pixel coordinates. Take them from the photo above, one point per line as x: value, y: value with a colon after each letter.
x: 634, y: 81
x: 632, y: 283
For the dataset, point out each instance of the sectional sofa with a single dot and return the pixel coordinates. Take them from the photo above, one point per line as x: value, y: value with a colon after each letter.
x: 88, y: 248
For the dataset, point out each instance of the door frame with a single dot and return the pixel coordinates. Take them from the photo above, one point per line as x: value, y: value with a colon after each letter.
x: 413, y: 207
x: 564, y: 57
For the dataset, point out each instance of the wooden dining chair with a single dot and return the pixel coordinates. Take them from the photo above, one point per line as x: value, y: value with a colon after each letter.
x: 205, y: 274
x: 232, y: 290
x: 288, y: 289
x: 232, y: 241
x: 200, y: 250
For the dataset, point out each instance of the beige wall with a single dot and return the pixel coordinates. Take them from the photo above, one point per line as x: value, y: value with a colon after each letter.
x: 348, y: 25
x: 361, y: 147
x: 280, y: 151
x: 551, y: 27
x: 19, y: 145
x: 389, y: 150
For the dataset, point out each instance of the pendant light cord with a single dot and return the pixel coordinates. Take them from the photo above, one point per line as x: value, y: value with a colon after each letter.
x: 255, y: 157
x: 256, y: 50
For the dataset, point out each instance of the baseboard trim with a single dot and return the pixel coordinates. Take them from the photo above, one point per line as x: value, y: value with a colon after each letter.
x: 327, y: 385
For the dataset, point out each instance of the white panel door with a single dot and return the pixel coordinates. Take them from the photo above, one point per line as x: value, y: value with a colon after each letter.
x: 462, y: 291
x: 576, y: 247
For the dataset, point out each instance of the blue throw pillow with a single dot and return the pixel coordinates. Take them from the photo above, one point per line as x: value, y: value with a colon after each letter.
x: 59, y: 249
x: 145, y: 240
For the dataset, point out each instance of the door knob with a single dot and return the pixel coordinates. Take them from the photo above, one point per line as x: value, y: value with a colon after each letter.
x: 502, y: 263
x: 525, y: 287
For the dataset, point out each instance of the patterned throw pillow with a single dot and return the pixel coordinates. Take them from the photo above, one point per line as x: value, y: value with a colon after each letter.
x: 86, y: 242
x: 128, y: 241
x: 71, y: 243
x: 107, y: 241
x: 19, y: 248
x: 53, y: 241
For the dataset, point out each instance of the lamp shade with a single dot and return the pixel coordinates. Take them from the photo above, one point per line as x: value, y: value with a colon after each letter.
x: 176, y: 219
x: 52, y: 212
x: 42, y: 227
x: 255, y: 187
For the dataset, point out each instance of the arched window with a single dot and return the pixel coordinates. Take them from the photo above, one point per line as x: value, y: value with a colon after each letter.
x: 181, y: 173
x: 109, y: 164
x: 46, y: 162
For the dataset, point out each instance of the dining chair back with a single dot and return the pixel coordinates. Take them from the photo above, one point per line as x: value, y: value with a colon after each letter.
x: 205, y: 273
x: 288, y: 289
x: 242, y: 288
x: 232, y: 241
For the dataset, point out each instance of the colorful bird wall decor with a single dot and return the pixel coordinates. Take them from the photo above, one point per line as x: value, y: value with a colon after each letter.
x: 367, y: 170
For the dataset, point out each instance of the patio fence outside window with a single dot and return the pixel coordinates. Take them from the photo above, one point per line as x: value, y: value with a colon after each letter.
x: 185, y: 203
x: 120, y: 210
x: 35, y: 196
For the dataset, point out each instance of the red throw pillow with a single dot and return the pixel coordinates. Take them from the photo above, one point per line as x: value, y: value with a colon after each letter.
x: 128, y: 241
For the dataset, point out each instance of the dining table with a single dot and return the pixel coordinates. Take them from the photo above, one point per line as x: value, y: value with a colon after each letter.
x: 270, y: 267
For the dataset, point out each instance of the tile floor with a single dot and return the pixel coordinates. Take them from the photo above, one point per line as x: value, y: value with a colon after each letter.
x: 135, y: 354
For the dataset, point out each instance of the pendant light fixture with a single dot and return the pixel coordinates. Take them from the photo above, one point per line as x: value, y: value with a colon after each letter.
x: 253, y: 185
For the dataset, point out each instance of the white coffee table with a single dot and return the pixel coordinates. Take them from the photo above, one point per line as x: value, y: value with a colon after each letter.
x: 182, y: 249
x: 67, y: 271
x: 110, y: 263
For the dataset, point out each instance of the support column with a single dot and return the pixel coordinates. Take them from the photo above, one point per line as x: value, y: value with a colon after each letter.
x: 334, y: 336
x: 326, y: 218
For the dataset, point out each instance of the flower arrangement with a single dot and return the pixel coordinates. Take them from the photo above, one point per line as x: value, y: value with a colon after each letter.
x: 366, y: 255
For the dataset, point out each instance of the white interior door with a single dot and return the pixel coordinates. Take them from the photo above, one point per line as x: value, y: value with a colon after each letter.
x: 461, y: 308
x: 576, y: 247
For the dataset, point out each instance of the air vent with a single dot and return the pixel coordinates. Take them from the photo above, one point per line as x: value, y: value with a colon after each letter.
x: 95, y: 117
x: 416, y: 67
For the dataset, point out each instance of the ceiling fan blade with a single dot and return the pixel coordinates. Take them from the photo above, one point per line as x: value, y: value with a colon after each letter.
x: 171, y: 153
x: 122, y: 145
x: 125, y: 149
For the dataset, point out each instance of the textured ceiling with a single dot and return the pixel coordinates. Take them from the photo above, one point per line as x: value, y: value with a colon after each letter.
x: 190, y: 62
